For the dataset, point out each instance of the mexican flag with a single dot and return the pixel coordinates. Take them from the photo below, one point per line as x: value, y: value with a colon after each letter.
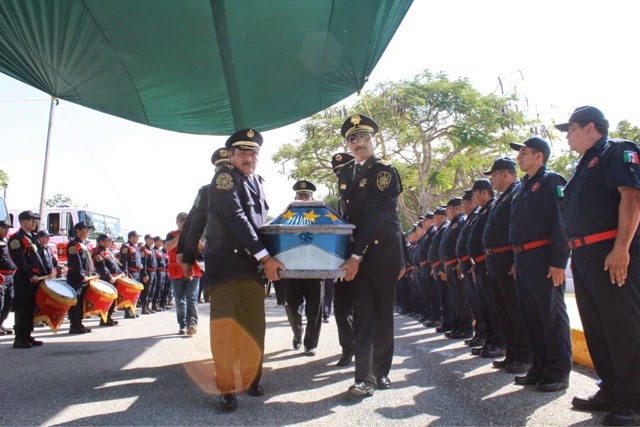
x: 631, y: 157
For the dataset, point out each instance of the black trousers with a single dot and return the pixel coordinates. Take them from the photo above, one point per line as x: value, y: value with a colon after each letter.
x: 545, y: 316
x: 6, y: 297
x: 611, y: 320
x: 508, y: 308
x: 448, y: 316
x: 343, y: 314
x: 24, y: 304
x: 146, y: 296
x: 329, y: 285
x: 157, y: 295
x: 237, y: 332
x: 457, y: 290
x: 76, y: 313
x: 434, y: 299
x: 474, y: 300
x: 373, y: 292
x: 485, y: 284
x: 311, y: 292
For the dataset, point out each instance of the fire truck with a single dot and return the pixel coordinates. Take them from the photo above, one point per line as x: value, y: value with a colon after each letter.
x: 59, y: 222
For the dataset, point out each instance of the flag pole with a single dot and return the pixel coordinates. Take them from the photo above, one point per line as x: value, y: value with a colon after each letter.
x: 54, y: 102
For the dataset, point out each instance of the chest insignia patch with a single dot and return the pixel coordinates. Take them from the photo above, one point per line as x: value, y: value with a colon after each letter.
x: 224, y: 181
x: 454, y: 226
x: 535, y: 186
x: 383, y: 179
x: 593, y: 162
x: 363, y: 182
x: 125, y: 250
x: 99, y: 258
x: 343, y: 186
x: 14, y: 244
x: 72, y: 250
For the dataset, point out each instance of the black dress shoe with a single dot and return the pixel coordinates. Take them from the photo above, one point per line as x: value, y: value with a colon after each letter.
x: 622, y: 417
x: 448, y: 334
x: 476, y: 351
x: 526, y: 380
x: 551, y: 386
x: 2, y: 333
x: 6, y: 330
x: 310, y: 352
x: 255, y: 390
x: 458, y: 335
x: 345, y: 359
x: 382, y: 383
x: 228, y: 402
x: 492, y: 352
x: 361, y: 388
x: 34, y: 342
x: 296, y: 344
x: 516, y: 368
x: 443, y: 328
x: 601, y: 401
x: 22, y: 344
x: 501, y: 364
x: 477, y: 342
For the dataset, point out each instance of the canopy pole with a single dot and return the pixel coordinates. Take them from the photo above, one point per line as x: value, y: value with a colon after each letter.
x: 54, y: 102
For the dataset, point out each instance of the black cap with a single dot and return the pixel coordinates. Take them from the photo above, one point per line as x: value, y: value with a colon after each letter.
x: 43, y: 233
x: 180, y: 216
x: 339, y: 160
x: 421, y: 217
x: 220, y: 156
x: 147, y: 236
x: 133, y: 233
x: 157, y: 239
x: 103, y: 237
x: 27, y: 215
x: 454, y: 201
x: 358, y: 123
x: 535, y: 142
x: 245, y: 139
x: 440, y: 210
x: 503, y: 163
x: 6, y: 223
x: 303, y: 186
x: 482, y: 184
x: 80, y: 225
x: 428, y: 215
x: 583, y: 116
x: 468, y: 195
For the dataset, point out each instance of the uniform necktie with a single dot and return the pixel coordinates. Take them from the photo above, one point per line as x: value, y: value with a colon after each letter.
x: 357, y: 169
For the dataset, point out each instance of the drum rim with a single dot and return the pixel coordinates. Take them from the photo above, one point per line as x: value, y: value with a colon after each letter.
x: 102, y: 292
x: 57, y: 297
x: 130, y: 283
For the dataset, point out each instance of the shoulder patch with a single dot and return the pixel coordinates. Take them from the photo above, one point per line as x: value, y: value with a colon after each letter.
x: 560, y: 191
x: 3, y: 243
x: 15, y: 244
x: 630, y: 156
x: 72, y: 250
x: 224, y: 181
x: 99, y: 258
x: 383, y: 179
x: 124, y: 250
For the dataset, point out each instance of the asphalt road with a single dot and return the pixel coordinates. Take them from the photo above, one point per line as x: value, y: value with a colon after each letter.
x: 142, y: 373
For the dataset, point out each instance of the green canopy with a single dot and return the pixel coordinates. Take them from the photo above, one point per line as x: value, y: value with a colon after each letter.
x: 198, y: 66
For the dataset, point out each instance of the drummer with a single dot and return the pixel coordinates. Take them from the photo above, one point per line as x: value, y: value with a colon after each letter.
x: 24, y: 251
x: 106, y: 266
x: 79, y: 275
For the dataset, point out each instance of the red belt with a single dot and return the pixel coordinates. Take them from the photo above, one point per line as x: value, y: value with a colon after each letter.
x: 435, y: 264
x: 478, y: 259
x: 423, y: 263
x: 464, y: 258
x: 578, y: 242
x: 7, y: 272
x: 151, y: 269
x: 451, y: 261
x: 531, y: 245
x: 495, y: 251
x: 135, y: 270
x: 162, y: 269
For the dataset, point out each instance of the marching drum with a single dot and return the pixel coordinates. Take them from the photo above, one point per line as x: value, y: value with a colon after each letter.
x: 54, y: 298
x: 98, y: 298
x: 128, y: 292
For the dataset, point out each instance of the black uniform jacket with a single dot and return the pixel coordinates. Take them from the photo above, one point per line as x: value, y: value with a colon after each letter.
x: 369, y: 201
x: 24, y: 250
x: 78, y: 263
x: 237, y: 208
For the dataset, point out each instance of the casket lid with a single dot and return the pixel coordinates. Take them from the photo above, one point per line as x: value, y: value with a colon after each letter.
x: 314, y: 215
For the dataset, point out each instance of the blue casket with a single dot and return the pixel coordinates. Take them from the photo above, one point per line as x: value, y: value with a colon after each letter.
x: 310, y: 240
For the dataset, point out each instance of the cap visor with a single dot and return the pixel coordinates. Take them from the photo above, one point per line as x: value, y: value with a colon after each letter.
x: 488, y: 173
x: 563, y: 127
x: 516, y: 146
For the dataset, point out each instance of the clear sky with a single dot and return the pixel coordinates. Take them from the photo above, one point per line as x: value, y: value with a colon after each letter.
x: 558, y: 54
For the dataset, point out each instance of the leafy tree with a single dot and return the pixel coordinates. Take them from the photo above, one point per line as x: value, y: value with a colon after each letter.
x: 56, y: 199
x: 439, y: 133
x: 4, y: 180
x: 626, y: 131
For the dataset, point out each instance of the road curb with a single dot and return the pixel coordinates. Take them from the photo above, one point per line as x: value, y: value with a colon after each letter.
x: 581, y: 355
